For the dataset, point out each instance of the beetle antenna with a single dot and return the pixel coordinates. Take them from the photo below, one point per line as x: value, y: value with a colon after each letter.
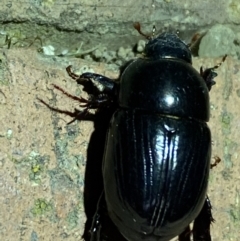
x: 195, y: 40
x: 137, y: 26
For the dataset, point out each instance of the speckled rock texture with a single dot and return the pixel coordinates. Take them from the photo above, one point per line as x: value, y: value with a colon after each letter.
x: 43, y: 161
x: 74, y: 27
x: 84, y: 13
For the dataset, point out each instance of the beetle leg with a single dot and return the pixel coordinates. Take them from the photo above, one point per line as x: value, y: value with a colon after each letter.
x: 70, y: 73
x: 93, y: 102
x: 97, y: 222
x: 102, y: 83
x: 103, y: 227
x: 185, y: 235
x: 77, y: 114
x: 96, y: 101
x: 3, y: 93
x: 208, y: 74
x: 195, y: 40
x: 96, y: 228
x: 79, y: 99
x: 217, y: 160
x: 201, y: 226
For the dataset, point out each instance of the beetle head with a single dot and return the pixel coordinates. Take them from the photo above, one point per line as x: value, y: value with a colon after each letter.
x: 167, y: 45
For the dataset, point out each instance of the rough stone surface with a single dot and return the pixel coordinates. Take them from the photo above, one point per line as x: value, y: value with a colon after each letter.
x: 89, y: 13
x: 218, y: 41
x: 74, y: 27
x: 42, y: 160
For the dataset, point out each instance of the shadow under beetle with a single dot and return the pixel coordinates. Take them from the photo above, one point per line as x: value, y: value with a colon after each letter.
x: 158, y: 146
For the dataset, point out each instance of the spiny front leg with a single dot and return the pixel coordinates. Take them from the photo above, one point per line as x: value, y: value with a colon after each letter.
x: 101, y: 94
x: 94, y: 102
x: 100, y: 83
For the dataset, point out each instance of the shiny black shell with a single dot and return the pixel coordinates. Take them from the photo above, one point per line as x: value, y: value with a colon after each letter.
x: 157, y: 156
x: 165, y: 86
x: 155, y: 173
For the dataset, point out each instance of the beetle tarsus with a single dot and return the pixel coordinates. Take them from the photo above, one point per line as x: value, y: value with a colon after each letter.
x: 217, y: 160
x: 77, y: 114
x: 208, y: 74
x: 74, y: 97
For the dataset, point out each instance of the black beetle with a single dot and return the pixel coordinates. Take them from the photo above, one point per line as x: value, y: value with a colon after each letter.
x: 158, y: 149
